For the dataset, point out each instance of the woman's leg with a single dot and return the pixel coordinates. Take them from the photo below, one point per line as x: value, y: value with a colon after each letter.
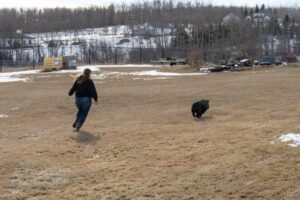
x: 78, y: 103
x: 85, y: 108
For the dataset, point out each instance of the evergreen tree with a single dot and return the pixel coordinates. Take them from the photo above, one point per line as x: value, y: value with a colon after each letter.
x: 256, y: 9
x: 251, y: 11
x: 286, y: 22
x: 181, y: 38
x: 246, y: 13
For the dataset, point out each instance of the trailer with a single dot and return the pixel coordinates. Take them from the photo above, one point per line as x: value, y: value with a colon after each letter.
x: 53, y: 63
x: 69, y: 62
x: 58, y: 63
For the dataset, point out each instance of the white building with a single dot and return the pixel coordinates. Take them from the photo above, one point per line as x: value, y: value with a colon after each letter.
x: 231, y: 19
x: 261, y: 18
x: 16, y: 41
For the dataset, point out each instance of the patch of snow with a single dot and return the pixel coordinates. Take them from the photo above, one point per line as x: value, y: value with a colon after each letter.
x: 12, y: 79
x: 121, y: 66
x: 292, y: 138
x: 167, y: 74
x: 95, y: 68
x: 14, y: 76
x: 152, y: 78
x: 100, y: 76
x: 155, y: 73
x: 44, y: 76
x: 3, y: 116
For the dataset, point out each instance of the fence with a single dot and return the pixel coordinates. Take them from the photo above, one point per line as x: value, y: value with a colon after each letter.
x: 32, y: 58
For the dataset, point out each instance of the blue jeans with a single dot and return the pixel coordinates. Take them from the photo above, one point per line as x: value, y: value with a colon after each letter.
x: 83, y: 104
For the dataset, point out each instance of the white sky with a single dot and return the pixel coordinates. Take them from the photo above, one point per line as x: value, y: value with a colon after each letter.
x: 84, y: 3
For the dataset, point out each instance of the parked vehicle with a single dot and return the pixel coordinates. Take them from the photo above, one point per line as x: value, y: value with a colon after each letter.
x: 179, y: 61
x: 69, y: 62
x: 267, y: 60
x: 215, y: 69
x: 246, y: 63
x: 170, y: 61
x: 278, y: 60
x: 57, y: 63
x: 233, y: 63
x: 53, y: 63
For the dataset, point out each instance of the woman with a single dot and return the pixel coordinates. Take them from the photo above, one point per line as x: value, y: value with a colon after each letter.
x: 85, y: 90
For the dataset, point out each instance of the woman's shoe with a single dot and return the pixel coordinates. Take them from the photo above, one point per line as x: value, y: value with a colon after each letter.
x: 74, y: 124
x: 78, y: 126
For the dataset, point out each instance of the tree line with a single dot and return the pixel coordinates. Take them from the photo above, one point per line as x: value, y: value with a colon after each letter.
x: 196, y: 26
x: 154, y: 12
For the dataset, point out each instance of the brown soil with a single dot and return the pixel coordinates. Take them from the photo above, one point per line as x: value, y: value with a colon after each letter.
x: 141, y: 141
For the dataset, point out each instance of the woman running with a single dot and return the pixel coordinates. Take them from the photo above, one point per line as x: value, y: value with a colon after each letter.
x: 85, y: 90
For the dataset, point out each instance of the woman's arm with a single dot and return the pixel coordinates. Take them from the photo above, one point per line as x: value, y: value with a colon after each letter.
x: 73, y: 89
x: 93, y: 91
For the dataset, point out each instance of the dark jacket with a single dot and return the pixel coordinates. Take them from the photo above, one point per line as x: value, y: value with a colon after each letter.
x: 84, y: 89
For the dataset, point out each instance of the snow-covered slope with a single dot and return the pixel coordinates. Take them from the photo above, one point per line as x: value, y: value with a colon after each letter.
x: 125, y: 38
x: 115, y: 36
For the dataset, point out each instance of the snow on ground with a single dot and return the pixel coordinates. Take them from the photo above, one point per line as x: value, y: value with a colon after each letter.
x: 122, y: 37
x: 152, y: 78
x: 3, y: 116
x: 15, y: 76
x: 292, y: 138
x: 7, y: 77
x: 19, y: 76
x: 167, y: 74
x: 112, y: 35
x: 147, y: 75
x: 96, y: 68
x: 121, y: 66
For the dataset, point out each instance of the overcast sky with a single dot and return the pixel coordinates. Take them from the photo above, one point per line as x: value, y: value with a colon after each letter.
x: 77, y: 3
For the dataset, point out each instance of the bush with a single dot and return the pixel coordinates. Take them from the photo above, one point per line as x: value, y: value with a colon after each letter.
x: 194, y: 57
x: 290, y: 57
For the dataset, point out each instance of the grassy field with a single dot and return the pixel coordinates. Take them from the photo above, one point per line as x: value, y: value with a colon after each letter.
x: 142, y: 143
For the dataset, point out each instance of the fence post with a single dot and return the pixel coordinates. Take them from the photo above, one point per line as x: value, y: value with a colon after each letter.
x: 116, y: 56
x: 89, y: 55
x: 33, y: 58
x: 1, y: 62
x: 140, y: 55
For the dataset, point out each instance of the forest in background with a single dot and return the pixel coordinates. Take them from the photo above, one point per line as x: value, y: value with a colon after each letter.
x: 207, y: 35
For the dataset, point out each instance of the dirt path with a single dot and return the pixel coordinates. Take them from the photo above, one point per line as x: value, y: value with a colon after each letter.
x: 141, y: 142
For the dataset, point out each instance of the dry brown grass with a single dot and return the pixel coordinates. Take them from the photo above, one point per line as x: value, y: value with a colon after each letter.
x: 141, y: 142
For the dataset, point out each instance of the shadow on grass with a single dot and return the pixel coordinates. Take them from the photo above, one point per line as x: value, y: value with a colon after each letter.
x: 85, y: 137
x: 202, y: 119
